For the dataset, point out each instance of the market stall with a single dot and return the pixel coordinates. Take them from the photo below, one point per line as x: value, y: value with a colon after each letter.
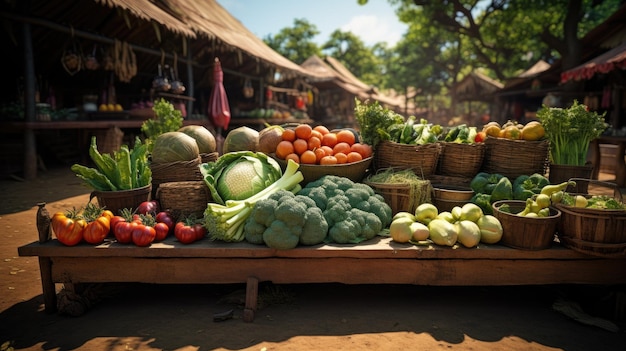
x: 120, y: 58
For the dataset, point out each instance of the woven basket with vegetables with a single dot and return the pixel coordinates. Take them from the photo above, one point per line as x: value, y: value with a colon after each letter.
x: 398, y: 143
x: 122, y: 179
x: 594, y: 224
x: 513, y: 158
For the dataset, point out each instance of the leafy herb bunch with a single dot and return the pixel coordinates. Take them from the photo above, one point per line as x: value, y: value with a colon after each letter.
x: 374, y: 121
x: 167, y: 119
x: 570, y: 131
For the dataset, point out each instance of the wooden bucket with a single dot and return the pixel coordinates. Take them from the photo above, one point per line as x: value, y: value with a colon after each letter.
x: 597, y: 232
x: 526, y: 233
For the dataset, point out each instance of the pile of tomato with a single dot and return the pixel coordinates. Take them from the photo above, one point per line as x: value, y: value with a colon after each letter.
x: 317, y: 145
x: 142, y: 227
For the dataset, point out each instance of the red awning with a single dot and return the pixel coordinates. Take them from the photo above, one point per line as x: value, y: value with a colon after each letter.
x: 610, y: 60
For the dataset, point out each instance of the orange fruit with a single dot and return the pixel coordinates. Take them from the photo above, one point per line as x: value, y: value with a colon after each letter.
x: 308, y: 157
x: 319, y: 153
x: 314, y: 143
x: 346, y: 136
x: 329, y: 139
x: 293, y: 156
x: 354, y: 156
x: 316, y: 134
x: 328, y: 160
x: 323, y: 130
x: 284, y: 148
x: 341, y: 157
x: 327, y: 150
x: 363, y: 149
x: 289, y: 135
x: 300, y: 146
x: 342, y: 147
x: 303, y: 131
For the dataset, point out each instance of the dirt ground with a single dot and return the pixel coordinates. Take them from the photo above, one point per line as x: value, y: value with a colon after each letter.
x: 294, y: 317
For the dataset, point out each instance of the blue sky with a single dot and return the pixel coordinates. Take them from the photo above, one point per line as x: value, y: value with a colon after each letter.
x: 373, y: 22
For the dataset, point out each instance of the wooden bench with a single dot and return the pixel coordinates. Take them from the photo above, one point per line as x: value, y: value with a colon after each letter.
x: 378, y: 261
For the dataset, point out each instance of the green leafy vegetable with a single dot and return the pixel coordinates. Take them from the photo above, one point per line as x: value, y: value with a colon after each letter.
x: 124, y: 170
x: 227, y: 222
x: 168, y: 119
x: 374, y: 122
x: 570, y: 131
x: 239, y: 175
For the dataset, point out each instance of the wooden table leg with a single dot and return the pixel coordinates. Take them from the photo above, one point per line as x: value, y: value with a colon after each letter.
x: 49, y: 290
x: 252, y: 294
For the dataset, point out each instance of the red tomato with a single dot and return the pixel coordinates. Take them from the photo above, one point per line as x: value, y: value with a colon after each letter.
x: 95, y: 231
x: 143, y: 235
x: 123, y: 231
x: 115, y: 220
x: 480, y: 137
x: 162, y: 230
x: 165, y: 217
x: 185, y: 233
x: 200, y: 231
x: 148, y: 207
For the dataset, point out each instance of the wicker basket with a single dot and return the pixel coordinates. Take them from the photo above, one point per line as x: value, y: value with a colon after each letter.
x: 513, y: 158
x: 400, y: 196
x: 118, y: 200
x: 188, y: 198
x: 460, y: 160
x: 422, y: 159
x: 209, y: 157
x: 110, y: 140
x: 596, y: 232
x: 527, y: 233
x: 178, y: 171
x: 354, y: 171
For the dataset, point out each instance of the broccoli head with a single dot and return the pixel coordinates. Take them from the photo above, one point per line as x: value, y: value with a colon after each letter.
x: 353, y: 211
x: 285, y: 220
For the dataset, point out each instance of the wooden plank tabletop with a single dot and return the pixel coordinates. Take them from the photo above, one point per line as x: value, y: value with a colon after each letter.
x: 378, y: 247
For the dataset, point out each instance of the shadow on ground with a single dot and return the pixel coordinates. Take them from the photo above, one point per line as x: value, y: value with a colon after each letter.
x: 170, y: 317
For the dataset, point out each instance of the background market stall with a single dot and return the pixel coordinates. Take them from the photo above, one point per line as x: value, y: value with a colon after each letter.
x: 74, y: 56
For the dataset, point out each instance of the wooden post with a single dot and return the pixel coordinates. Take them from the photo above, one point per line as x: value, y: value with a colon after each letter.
x: 252, y: 294
x: 30, y: 148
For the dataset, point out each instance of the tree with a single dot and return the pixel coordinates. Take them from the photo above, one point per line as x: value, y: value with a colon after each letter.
x: 504, y: 34
x: 295, y: 43
x: 355, y: 55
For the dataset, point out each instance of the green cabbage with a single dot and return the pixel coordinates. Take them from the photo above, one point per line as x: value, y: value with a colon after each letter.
x: 174, y: 147
x: 239, y: 175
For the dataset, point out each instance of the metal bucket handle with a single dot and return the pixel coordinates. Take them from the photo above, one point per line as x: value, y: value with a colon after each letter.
x: 617, y: 194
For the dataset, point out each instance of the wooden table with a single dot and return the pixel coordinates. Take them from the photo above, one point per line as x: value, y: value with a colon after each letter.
x: 620, y: 163
x: 377, y: 261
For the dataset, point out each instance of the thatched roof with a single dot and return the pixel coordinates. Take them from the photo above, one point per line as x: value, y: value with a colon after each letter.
x: 330, y: 70
x: 195, y: 31
x: 476, y: 86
